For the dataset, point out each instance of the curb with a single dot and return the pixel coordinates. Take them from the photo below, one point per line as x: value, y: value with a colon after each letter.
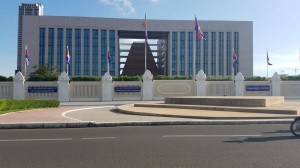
x: 138, y: 123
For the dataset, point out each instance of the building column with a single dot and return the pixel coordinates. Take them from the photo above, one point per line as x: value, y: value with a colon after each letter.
x: 63, y: 87
x: 147, y: 86
x: 201, y: 83
x: 106, y: 87
x: 239, y: 84
x: 18, y: 86
x: 276, y: 83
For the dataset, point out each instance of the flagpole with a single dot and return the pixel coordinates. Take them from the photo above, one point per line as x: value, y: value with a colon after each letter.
x: 267, y: 65
x: 145, y: 43
x: 194, y: 55
x: 107, y: 59
x: 25, y: 61
x: 67, y: 61
x: 232, y: 67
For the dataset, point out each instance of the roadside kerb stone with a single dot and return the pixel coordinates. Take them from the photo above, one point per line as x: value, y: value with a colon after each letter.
x: 139, y: 123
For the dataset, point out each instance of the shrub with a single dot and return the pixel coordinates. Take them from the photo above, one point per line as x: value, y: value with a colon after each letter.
x: 290, y: 78
x: 213, y: 78
x: 85, y: 78
x: 7, y: 105
x: 177, y: 77
x: 6, y: 79
x: 127, y: 78
x: 256, y: 78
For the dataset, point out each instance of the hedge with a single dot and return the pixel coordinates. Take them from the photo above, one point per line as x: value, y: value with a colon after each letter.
x: 6, y: 79
x: 127, y: 78
x: 177, y: 77
x: 7, y: 105
x: 85, y: 78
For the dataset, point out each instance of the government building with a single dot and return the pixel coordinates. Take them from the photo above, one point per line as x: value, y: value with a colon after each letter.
x: 172, y: 47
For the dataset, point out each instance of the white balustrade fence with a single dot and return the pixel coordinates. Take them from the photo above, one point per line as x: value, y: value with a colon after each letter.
x: 149, y: 89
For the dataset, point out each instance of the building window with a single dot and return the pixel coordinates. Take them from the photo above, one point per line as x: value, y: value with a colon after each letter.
x: 182, y: 53
x: 86, y: 52
x: 221, y: 53
x: 51, y: 46
x: 236, y: 49
x: 112, y: 51
x: 190, y: 53
x: 213, y: 54
x: 60, y: 50
x: 228, y: 53
x: 95, y: 60
x: 69, y: 44
x: 174, y: 53
x: 103, y: 52
x: 42, y: 47
x: 205, y: 53
x: 77, y: 52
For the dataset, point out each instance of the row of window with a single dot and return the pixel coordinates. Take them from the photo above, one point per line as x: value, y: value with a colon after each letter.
x: 202, y: 51
x: 47, y: 36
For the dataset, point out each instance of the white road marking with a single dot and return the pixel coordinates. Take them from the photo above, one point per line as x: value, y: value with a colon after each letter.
x: 190, y: 136
x: 98, y: 138
x: 89, y: 108
x: 23, y: 140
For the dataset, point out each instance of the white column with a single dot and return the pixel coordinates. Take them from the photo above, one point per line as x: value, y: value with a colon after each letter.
x: 239, y: 84
x: 18, y: 83
x: 63, y: 87
x: 106, y: 87
x: 147, y: 86
x: 201, y: 83
x: 276, y: 82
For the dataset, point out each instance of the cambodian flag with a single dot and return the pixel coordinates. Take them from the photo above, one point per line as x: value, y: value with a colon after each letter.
x: 235, y: 59
x: 27, y: 58
x: 68, y: 56
x: 268, y: 61
x: 199, y: 34
x: 108, y: 56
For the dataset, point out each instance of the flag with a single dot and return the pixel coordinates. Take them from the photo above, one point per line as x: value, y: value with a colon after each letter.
x: 108, y: 56
x: 27, y: 58
x: 235, y: 59
x: 68, y: 56
x: 146, y: 33
x: 268, y: 61
x: 199, y: 34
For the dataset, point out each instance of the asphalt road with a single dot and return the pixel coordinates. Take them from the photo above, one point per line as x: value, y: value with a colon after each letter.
x: 215, y: 146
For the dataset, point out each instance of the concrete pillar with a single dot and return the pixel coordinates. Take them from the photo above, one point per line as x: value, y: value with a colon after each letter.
x: 276, y: 83
x: 239, y: 84
x: 147, y: 86
x: 63, y: 87
x: 201, y: 83
x: 18, y: 92
x: 107, y: 87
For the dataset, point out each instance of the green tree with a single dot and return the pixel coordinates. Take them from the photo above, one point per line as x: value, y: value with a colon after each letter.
x: 44, y: 73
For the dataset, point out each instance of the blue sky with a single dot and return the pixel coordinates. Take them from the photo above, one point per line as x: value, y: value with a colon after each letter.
x: 276, y: 24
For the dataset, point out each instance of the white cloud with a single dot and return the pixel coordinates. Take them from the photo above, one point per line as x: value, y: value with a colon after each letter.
x: 122, y: 6
x: 154, y: 0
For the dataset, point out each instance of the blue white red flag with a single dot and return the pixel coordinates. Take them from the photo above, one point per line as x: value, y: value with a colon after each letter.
x: 27, y: 57
x: 108, y: 56
x: 268, y: 61
x: 68, y: 56
x: 235, y: 59
x: 146, y: 33
x: 199, y: 34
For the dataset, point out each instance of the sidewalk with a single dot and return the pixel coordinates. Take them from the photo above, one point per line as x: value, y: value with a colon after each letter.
x: 96, y: 114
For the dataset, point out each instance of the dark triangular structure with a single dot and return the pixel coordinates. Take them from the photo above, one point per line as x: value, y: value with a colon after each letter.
x: 135, y: 63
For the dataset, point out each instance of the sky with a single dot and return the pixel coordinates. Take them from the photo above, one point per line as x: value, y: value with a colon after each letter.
x: 276, y: 24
